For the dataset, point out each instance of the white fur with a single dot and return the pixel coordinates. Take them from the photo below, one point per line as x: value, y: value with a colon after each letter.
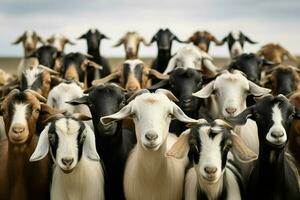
x: 131, y: 44
x: 28, y: 38
x: 190, y: 56
x: 31, y: 75
x: 132, y: 63
x: 276, y: 127
x: 236, y: 48
x: 19, y: 116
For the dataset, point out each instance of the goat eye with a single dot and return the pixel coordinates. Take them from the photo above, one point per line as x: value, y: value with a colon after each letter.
x: 292, y: 116
x: 170, y: 116
x: 123, y: 103
x: 37, y: 111
x: 257, y: 115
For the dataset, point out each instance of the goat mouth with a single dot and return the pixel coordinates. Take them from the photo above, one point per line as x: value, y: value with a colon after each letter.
x: 66, y: 171
x: 151, y: 146
x: 209, y: 178
x: 277, y: 144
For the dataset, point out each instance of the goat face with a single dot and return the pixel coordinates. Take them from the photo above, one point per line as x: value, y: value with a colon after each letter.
x: 183, y: 82
x: 275, y: 53
x: 273, y: 116
x: 152, y: 114
x: 202, y: 40
x: 20, y: 112
x: 283, y: 80
x: 29, y: 40
x: 133, y: 74
x: 71, y: 69
x: 236, y: 40
x: 103, y: 100
x: 231, y: 90
x: 251, y: 65
x: 164, y: 39
x: 59, y: 41
x: 47, y: 55
x: 69, y: 139
x: 93, y: 38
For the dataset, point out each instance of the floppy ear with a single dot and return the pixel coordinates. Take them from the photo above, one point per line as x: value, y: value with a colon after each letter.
x: 223, y: 41
x: 121, y: 41
x: 122, y: 114
x: 69, y: 41
x: 206, y: 91
x: 142, y: 39
x: 168, y: 93
x: 82, y: 37
x: 249, y: 40
x: 241, y: 118
x: 153, y: 39
x: 290, y: 56
x: 157, y: 74
x: 104, y: 37
x: 19, y: 39
x: 78, y: 101
x: 257, y: 90
x: 41, y: 40
x: 160, y: 84
x: 181, y: 116
x: 181, y: 147
x: 89, y: 145
x: 42, y: 147
x: 240, y: 150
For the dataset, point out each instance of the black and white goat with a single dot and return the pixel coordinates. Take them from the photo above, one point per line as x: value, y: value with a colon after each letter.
x: 212, y: 175
x: 77, y: 173
x: 273, y: 176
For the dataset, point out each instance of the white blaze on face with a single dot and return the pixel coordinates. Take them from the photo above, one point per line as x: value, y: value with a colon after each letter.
x: 19, y: 116
x: 93, y: 30
x: 58, y: 41
x: 152, y: 114
x: 133, y: 63
x: 31, y: 74
x: 131, y: 44
x: 236, y: 48
x: 28, y: 37
x: 210, y: 154
x: 277, y: 128
x: 67, y: 131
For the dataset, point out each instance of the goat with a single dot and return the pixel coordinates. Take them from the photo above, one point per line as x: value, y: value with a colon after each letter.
x: 6, y: 78
x: 133, y: 75
x: 77, y: 173
x: 29, y: 40
x: 202, y: 40
x: 75, y: 67
x: 191, y: 56
x: 131, y: 41
x: 294, y: 139
x: 182, y: 83
x: 228, y: 94
x: 37, y: 78
x: 93, y: 38
x: 212, y: 174
x: 148, y: 174
x: 59, y: 41
x: 272, y: 176
x: 236, y: 41
x: 282, y: 79
x: 23, y: 115
x: 113, y: 142
x: 48, y: 56
x: 164, y: 39
x: 275, y: 53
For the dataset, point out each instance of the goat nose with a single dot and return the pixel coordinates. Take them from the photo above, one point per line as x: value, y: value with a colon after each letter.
x: 67, y: 161
x: 187, y: 100
x: 277, y: 134
x: 151, y: 135
x: 210, y: 170
x: 18, y: 128
x: 230, y: 110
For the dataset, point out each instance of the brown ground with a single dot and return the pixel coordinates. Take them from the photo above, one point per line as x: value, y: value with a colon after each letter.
x: 10, y: 64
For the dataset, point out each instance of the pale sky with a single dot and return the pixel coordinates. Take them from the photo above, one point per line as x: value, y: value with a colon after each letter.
x: 262, y: 20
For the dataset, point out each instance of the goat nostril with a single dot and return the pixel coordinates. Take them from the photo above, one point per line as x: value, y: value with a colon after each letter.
x: 277, y: 134
x: 18, y: 129
x: 230, y: 110
x: 67, y: 161
x: 151, y: 136
x: 186, y: 100
x: 210, y: 170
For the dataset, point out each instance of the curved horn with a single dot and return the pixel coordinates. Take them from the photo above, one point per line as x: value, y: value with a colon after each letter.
x: 37, y: 95
x: 107, y: 78
x: 51, y: 71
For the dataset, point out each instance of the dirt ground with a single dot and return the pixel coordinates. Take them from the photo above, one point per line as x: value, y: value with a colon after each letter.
x: 10, y: 64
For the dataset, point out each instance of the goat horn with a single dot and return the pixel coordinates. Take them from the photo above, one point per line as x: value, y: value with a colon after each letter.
x: 86, y: 54
x: 107, y: 78
x: 37, y: 95
x: 51, y: 71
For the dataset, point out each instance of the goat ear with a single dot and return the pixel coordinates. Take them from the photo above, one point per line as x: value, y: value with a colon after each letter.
x: 181, y: 116
x: 82, y: 37
x: 104, y: 37
x: 241, y: 118
x: 290, y: 56
x: 89, y: 145
x: 249, y: 40
x: 257, y: 90
x: 18, y: 40
x: 223, y: 40
x: 121, y: 41
x: 157, y: 74
x: 160, y: 84
x: 69, y: 41
x: 168, y: 93
x: 48, y: 114
x: 181, y: 147
x: 240, y: 150
x: 42, y: 147
x: 122, y: 114
x: 107, y: 78
x: 78, y: 101
x: 41, y: 40
x: 206, y: 91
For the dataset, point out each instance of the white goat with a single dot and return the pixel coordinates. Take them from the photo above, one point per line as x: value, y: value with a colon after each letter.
x: 59, y: 41
x: 77, y: 173
x: 148, y: 173
x: 212, y: 176
x: 191, y: 56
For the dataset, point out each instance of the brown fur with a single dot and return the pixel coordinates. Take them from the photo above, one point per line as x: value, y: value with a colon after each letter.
x: 204, y: 34
x: 19, y: 178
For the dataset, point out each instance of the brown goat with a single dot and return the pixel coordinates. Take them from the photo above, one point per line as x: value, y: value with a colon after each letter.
x: 19, y: 178
x: 202, y: 40
x: 282, y: 79
x: 131, y: 41
x: 294, y: 140
x: 275, y: 53
x: 132, y: 75
x: 59, y: 41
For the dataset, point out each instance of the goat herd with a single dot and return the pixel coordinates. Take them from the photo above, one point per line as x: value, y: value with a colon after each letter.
x: 183, y: 128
